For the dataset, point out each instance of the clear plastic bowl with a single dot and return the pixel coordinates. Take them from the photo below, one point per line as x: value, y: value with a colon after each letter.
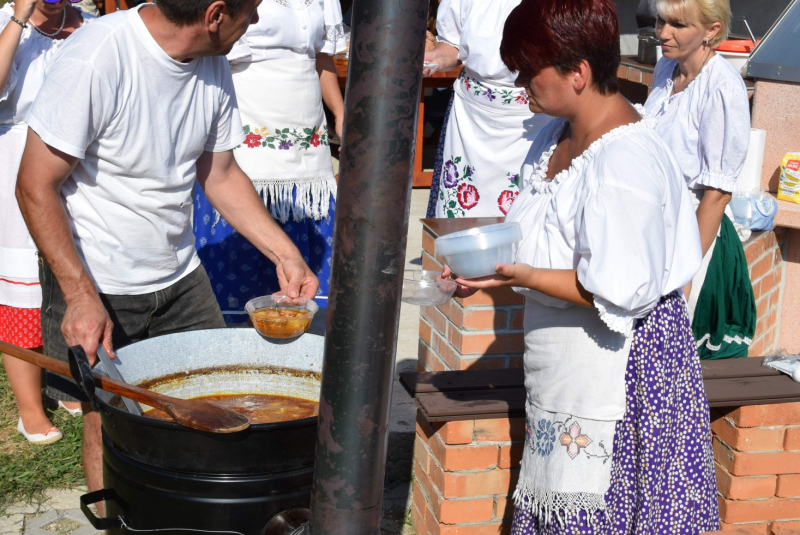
x: 476, y: 252
x: 422, y: 288
x: 281, y: 316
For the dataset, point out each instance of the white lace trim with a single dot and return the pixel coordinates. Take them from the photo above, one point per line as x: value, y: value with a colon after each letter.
x: 616, y: 318
x: 538, y: 180
x: 294, y: 4
x: 334, y: 34
x: 544, y: 504
x: 726, y: 339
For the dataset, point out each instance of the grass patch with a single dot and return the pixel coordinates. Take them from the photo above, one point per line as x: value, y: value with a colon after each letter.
x: 26, y: 471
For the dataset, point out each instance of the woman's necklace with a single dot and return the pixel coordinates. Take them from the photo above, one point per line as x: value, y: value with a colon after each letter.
x: 58, y: 31
x: 676, y: 73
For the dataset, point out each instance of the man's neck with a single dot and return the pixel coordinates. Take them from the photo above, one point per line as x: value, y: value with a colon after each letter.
x: 178, y: 42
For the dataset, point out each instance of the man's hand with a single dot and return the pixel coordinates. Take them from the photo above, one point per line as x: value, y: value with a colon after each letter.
x: 296, y: 279
x: 86, y: 323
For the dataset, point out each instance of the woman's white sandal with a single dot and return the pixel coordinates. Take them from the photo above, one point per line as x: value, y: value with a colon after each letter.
x: 52, y: 435
x: 73, y: 412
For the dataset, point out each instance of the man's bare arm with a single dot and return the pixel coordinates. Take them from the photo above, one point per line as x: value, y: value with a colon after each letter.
x: 42, y: 172
x: 233, y: 195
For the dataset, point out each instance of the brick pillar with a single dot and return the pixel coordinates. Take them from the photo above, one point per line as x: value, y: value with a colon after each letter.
x: 757, y: 459
x: 764, y: 253
x: 465, y: 473
x: 480, y: 332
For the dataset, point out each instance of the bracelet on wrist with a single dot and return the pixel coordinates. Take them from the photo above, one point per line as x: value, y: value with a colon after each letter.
x: 15, y: 19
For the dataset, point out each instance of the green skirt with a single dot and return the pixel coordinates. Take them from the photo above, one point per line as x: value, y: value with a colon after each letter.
x: 724, y: 320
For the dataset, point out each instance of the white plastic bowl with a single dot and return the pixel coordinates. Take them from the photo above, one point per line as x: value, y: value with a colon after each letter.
x: 476, y: 252
x: 739, y: 60
x: 422, y: 288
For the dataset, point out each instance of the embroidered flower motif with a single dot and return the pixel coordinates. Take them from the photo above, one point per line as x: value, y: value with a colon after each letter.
x: 468, y: 196
x: 252, y: 140
x: 315, y: 140
x: 505, y: 200
x: 450, y: 178
x: 285, y: 144
x: 574, y: 440
x: 514, y: 179
x: 546, y: 437
x: 522, y: 98
x: 488, y: 94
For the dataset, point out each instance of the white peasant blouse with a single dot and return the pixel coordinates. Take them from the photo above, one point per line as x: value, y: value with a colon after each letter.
x: 707, y: 125
x: 620, y: 215
x: 289, y: 29
x: 475, y: 27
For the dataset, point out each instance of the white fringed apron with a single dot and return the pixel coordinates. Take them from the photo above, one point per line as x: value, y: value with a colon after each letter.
x: 489, y: 132
x: 19, y: 268
x: 287, y: 145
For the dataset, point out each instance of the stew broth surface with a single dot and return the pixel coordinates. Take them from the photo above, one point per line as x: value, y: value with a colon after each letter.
x: 260, y: 408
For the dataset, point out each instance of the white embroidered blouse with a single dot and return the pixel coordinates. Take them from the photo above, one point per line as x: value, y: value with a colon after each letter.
x: 707, y: 125
x: 288, y: 29
x: 475, y: 27
x: 27, y: 70
x: 619, y: 215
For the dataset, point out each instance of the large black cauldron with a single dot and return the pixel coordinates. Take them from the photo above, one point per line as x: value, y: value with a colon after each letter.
x: 159, y: 475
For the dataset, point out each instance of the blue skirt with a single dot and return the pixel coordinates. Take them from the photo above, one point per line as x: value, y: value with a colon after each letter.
x: 239, y: 272
x: 662, y: 472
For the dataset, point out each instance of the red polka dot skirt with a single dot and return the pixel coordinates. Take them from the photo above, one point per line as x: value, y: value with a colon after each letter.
x: 21, y: 326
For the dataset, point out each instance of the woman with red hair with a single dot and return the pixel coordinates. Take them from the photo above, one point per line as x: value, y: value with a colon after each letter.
x: 618, y: 436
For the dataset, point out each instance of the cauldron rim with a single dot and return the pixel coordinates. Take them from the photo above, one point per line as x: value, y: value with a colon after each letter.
x: 165, y: 424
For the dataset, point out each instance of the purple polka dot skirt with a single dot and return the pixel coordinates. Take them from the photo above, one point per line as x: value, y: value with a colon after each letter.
x: 662, y: 476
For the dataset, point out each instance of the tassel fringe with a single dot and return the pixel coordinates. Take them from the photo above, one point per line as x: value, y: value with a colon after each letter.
x: 545, y: 504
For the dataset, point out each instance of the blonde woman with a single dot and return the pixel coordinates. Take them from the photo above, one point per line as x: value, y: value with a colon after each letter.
x: 701, y: 105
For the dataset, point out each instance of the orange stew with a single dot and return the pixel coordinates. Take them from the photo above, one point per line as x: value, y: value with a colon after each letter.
x: 281, y: 322
x: 260, y: 408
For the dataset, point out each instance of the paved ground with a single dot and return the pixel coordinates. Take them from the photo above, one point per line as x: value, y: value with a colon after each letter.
x: 58, y: 512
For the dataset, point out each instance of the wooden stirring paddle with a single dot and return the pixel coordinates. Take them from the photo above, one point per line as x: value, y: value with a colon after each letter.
x: 195, y: 414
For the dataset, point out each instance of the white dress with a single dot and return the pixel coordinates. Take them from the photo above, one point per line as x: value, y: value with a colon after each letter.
x: 280, y: 101
x: 621, y: 216
x: 19, y: 269
x: 490, y: 126
x: 707, y: 127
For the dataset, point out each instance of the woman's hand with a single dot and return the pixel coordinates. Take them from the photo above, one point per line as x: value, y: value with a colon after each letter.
x: 506, y: 275
x: 338, y: 127
x: 461, y: 290
x: 430, y: 41
x: 23, y: 9
x: 444, y: 56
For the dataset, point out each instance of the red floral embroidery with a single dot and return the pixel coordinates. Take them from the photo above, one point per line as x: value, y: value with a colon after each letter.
x: 315, y: 140
x: 574, y: 440
x: 252, y: 140
x: 468, y: 196
x: 505, y: 200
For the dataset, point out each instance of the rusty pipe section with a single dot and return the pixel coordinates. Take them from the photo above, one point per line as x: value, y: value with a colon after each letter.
x: 382, y: 104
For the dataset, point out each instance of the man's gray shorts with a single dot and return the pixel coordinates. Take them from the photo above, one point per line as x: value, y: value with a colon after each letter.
x: 187, y: 305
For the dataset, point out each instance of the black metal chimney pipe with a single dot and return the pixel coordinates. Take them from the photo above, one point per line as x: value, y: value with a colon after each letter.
x: 382, y: 104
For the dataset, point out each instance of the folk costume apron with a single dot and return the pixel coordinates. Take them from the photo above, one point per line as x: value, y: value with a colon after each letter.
x: 287, y: 143
x: 489, y: 131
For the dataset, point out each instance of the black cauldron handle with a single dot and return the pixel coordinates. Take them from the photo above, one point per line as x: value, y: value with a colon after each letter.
x: 291, y: 522
x: 82, y: 372
x: 99, y: 496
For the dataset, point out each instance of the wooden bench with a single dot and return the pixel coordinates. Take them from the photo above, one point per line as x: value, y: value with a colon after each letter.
x: 487, y: 394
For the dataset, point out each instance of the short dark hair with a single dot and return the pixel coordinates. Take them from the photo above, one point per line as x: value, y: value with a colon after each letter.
x: 186, y: 12
x: 561, y: 33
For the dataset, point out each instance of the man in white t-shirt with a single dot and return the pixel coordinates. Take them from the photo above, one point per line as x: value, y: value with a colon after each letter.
x: 134, y: 110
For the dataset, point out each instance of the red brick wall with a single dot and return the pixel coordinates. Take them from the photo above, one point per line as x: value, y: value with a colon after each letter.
x: 757, y: 458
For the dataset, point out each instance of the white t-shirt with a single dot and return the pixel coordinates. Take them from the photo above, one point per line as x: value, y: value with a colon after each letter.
x: 138, y: 120
x: 707, y: 125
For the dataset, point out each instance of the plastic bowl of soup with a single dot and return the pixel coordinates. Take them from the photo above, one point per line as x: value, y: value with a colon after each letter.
x: 281, y: 316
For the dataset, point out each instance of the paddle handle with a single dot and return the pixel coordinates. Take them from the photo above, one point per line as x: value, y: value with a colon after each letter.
x: 135, y: 393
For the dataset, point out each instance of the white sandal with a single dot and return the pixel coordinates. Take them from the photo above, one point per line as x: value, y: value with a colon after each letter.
x: 52, y: 435
x: 73, y: 412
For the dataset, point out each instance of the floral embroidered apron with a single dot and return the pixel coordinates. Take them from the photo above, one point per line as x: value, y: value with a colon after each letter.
x: 287, y: 146
x: 489, y: 132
